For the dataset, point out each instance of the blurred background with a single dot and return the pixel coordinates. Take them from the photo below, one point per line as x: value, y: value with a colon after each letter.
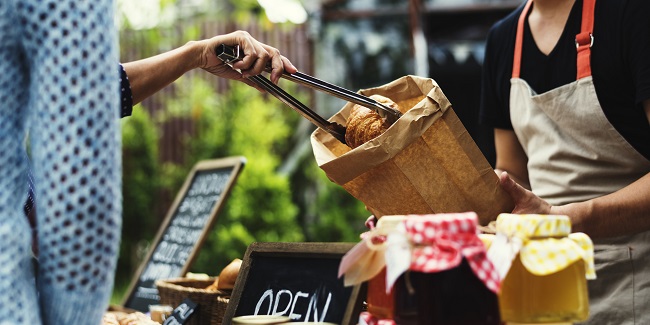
x: 281, y: 194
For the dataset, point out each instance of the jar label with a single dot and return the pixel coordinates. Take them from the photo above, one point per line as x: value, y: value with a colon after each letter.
x: 398, y: 257
x: 503, y: 251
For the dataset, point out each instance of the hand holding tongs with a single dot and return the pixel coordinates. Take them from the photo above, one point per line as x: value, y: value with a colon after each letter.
x: 231, y: 54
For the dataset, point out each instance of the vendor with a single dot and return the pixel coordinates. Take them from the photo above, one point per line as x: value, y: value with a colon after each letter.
x: 566, y: 87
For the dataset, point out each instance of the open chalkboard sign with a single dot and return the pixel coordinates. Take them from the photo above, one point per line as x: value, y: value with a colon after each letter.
x: 188, y: 221
x: 299, y: 280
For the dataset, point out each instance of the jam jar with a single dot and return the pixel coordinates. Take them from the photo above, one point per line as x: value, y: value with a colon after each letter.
x: 380, y: 300
x: 544, y: 268
x: 449, y: 280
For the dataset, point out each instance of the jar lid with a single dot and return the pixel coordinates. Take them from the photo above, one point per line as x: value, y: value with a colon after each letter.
x: 425, y: 229
x: 424, y: 243
x: 544, y: 243
x: 439, y: 242
x: 533, y: 225
x: 389, y: 223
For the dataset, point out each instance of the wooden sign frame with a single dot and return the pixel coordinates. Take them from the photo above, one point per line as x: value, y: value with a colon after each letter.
x: 296, y: 249
x: 236, y: 163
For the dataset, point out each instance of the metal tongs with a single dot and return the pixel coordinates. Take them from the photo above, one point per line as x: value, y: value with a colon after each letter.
x: 232, y: 54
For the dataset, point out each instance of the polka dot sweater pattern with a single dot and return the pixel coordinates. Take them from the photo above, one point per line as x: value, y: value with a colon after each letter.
x: 57, y: 84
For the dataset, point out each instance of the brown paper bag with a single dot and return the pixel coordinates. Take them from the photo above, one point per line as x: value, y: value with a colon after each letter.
x: 424, y: 163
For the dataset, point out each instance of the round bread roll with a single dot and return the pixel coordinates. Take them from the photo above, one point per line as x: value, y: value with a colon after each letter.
x: 122, y: 318
x: 110, y: 319
x: 365, y: 124
x: 213, y: 286
x: 137, y: 318
x: 228, y: 275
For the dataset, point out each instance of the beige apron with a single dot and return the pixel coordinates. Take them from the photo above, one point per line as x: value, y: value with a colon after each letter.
x: 575, y: 154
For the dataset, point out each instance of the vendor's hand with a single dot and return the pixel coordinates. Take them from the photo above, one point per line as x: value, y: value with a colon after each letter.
x: 525, y: 201
x: 256, y: 57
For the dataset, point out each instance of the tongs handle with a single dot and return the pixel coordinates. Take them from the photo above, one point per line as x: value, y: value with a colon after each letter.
x: 390, y: 114
x: 232, y: 54
x: 335, y: 129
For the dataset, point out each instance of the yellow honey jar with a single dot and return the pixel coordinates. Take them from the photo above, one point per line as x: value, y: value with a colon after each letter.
x: 543, y: 269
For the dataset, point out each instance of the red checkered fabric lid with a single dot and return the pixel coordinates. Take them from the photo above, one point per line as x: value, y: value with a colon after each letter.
x: 441, y: 241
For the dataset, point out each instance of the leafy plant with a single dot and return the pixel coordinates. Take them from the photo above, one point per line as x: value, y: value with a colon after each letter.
x: 269, y: 201
x: 239, y: 123
x: 140, y: 182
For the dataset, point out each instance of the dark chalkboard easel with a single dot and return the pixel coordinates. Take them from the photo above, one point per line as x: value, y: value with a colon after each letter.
x: 188, y: 221
x: 299, y: 280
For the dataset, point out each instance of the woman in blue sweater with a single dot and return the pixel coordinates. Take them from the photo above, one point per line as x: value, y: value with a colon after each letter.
x: 58, y: 85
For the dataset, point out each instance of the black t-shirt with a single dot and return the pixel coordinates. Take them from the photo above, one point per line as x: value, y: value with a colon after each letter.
x: 620, y: 65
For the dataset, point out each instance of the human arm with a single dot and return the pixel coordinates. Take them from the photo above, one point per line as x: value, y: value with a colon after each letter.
x: 623, y: 212
x: 147, y: 76
x: 511, y: 167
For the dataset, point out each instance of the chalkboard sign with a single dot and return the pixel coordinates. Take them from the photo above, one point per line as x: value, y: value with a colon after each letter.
x: 186, y: 225
x: 182, y: 313
x: 299, y: 280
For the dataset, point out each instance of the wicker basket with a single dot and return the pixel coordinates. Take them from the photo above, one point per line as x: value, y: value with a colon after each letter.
x: 212, y: 304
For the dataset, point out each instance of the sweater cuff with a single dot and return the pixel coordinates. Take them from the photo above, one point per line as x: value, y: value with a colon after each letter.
x: 126, y: 96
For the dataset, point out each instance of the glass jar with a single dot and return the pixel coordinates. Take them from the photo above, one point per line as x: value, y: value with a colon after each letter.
x: 449, y: 281
x: 380, y: 302
x: 546, y: 280
x: 455, y: 296
x: 424, y: 269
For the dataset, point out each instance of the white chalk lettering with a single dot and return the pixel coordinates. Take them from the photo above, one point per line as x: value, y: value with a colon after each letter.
x: 184, y: 311
x: 275, y: 300
x: 267, y: 294
x: 312, y: 305
x: 183, y: 236
x: 293, y: 315
x: 197, y: 205
x: 167, y: 253
x: 147, y: 293
x: 156, y: 271
x: 172, y: 321
x: 182, y: 221
x: 208, y: 184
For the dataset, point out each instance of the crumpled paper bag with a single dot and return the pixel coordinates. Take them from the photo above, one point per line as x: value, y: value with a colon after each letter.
x: 425, y: 163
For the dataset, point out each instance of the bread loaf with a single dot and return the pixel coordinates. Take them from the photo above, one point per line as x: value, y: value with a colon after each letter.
x: 365, y: 124
x: 228, y: 275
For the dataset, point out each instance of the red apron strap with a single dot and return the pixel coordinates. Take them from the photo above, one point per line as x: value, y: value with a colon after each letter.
x: 519, y: 41
x: 585, y: 39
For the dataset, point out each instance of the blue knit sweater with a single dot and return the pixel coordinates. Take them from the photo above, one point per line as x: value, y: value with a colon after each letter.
x: 57, y: 60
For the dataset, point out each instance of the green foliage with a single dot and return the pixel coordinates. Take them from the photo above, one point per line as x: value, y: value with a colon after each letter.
x: 328, y: 212
x: 264, y: 205
x: 240, y: 123
x: 140, y: 180
x: 245, y: 11
x: 341, y: 217
x: 299, y: 204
